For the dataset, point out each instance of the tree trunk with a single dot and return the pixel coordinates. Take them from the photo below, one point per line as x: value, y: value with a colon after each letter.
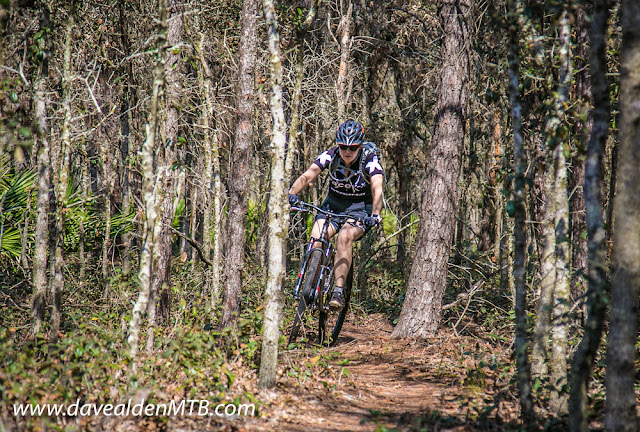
x: 278, y: 211
x: 295, y: 115
x: 213, y: 201
x: 151, y: 191
x: 127, y: 103
x: 544, y: 215
x: 343, y: 92
x: 561, y: 289
x: 40, y: 282
x: 237, y: 216
x: 106, y: 157
x: 519, y: 215
x: 623, y: 330
x: 579, y: 256
x: 60, y: 186
x: 86, y: 185
x: 421, y: 311
x: 162, y: 283
x: 597, y: 274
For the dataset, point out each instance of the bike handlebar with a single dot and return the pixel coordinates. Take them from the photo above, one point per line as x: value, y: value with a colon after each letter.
x: 304, y: 206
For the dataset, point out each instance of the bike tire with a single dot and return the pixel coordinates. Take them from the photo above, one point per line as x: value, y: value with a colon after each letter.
x: 313, y: 272
x: 334, y: 321
x: 306, y: 298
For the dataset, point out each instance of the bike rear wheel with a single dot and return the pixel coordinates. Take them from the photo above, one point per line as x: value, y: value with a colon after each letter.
x: 308, y: 292
x: 330, y: 323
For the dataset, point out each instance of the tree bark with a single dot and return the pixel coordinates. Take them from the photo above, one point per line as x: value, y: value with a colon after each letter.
x: 421, y: 312
x: 128, y: 101
x: 584, y: 357
x: 278, y: 211
x: 40, y: 282
x: 558, y: 402
x: 151, y: 191
x: 623, y: 330
x: 579, y: 256
x: 343, y: 92
x: 60, y: 186
x: 237, y: 216
x: 213, y: 201
x: 107, y: 159
x: 519, y: 215
x: 562, y: 289
x: 544, y: 215
x: 162, y: 281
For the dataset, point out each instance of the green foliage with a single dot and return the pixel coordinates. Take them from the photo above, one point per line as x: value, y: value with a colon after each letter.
x: 85, y: 365
x: 16, y: 189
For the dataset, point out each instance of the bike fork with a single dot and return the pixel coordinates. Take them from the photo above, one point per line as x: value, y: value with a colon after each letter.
x: 303, y: 269
x: 321, y: 290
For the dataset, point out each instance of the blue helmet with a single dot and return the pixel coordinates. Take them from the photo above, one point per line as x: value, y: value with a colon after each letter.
x: 350, y: 133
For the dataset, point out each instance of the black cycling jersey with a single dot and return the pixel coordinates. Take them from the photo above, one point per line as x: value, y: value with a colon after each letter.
x: 350, y: 185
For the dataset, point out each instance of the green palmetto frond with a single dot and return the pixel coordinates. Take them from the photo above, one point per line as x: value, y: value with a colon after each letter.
x: 11, y: 243
x: 14, y: 193
x: 15, y: 190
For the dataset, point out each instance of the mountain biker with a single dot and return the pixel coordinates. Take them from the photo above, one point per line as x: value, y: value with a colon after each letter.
x: 355, y: 188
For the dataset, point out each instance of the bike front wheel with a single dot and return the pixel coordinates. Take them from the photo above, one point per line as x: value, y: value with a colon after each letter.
x: 330, y: 323
x: 308, y: 293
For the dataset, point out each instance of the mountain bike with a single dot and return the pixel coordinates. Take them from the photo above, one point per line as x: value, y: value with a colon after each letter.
x: 314, y: 287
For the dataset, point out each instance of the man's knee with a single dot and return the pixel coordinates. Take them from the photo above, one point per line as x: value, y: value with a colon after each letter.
x: 317, y: 227
x: 346, y: 237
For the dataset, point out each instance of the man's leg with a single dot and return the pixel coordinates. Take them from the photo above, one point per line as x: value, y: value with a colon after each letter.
x: 317, y: 229
x: 344, y: 255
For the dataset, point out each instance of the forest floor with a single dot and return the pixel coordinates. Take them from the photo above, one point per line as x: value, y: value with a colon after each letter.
x: 370, y: 382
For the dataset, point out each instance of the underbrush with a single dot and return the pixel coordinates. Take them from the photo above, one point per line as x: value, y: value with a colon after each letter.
x: 90, y: 363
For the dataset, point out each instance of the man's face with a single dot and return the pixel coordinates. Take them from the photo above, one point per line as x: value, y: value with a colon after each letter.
x: 349, y: 153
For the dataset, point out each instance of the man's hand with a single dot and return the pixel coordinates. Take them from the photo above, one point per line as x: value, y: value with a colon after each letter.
x: 373, y: 220
x: 293, y: 199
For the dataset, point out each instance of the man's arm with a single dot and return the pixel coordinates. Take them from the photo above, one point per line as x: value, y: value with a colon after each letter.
x: 376, y: 192
x: 307, y: 177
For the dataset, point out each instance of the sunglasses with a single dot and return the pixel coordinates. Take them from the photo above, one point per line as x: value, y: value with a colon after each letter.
x: 349, y: 148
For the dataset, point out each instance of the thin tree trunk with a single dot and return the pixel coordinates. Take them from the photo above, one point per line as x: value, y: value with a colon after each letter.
x: 238, y: 184
x: 162, y: 283
x: 40, y: 282
x: 579, y: 256
x: 213, y: 201
x: 292, y: 145
x: 192, y: 229
x: 151, y: 192
x: 60, y: 186
x: 583, y: 359
x: 562, y: 288
x: 620, y: 413
x: 278, y: 214
x: 561, y: 293
x: 421, y: 312
x: 545, y: 218
x: 86, y: 186
x: 519, y: 214
x: 108, y: 176
x: 343, y: 93
x: 125, y: 122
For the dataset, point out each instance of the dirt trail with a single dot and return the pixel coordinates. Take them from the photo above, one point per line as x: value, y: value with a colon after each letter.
x: 372, y: 381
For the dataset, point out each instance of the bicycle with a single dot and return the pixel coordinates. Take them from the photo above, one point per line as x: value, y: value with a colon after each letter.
x: 316, y: 277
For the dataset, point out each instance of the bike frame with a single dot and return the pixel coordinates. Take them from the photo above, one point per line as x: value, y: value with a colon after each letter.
x: 317, y: 291
x: 326, y: 265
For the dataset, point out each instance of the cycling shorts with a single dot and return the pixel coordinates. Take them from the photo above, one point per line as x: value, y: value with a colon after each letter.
x: 358, y: 210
